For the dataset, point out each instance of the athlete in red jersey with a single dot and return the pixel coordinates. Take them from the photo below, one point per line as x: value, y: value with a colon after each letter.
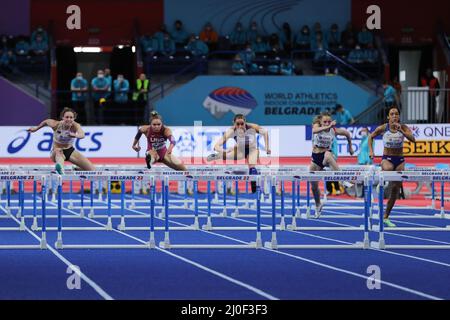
x: 157, y: 135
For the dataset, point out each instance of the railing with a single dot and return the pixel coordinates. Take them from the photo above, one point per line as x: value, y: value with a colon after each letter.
x: 417, y: 105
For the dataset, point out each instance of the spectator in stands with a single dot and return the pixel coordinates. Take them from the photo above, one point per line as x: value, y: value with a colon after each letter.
x: 209, y: 36
x: 149, y: 45
x: 317, y: 28
x: 260, y: 47
x: 196, y: 47
x: 275, y: 47
x: 398, y: 88
x: 38, y: 46
x: 121, y: 89
x: 140, y: 97
x: 390, y: 95
x: 334, y: 37
x: 238, y: 37
x: 159, y: 35
x: 238, y: 67
x: 285, y: 36
x: 179, y: 35
x: 287, y: 68
x: 79, y: 88
x: 247, y: 57
x: 370, y: 54
x: 430, y: 81
x: 41, y: 33
x: 365, y: 37
x: 343, y: 117
x: 108, y: 77
x: 5, y: 44
x: 348, y: 37
x: 22, y: 48
x: 100, y: 88
x: 356, y: 56
x: 8, y: 61
x: 252, y: 32
x: 167, y: 47
x: 319, y: 46
x: 302, y: 40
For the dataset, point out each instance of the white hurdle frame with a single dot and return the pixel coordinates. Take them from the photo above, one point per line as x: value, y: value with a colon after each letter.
x: 323, y: 176
x: 21, y: 178
x: 438, y: 175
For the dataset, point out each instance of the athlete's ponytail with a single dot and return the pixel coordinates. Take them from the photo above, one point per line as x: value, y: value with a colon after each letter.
x: 155, y: 115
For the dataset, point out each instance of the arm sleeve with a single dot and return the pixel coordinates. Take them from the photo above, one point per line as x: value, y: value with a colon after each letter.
x: 138, y: 135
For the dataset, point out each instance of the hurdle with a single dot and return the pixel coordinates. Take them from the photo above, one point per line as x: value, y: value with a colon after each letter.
x: 166, y: 244
x: 14, y: 176
x: 322, y: 176
x: 428, y: 176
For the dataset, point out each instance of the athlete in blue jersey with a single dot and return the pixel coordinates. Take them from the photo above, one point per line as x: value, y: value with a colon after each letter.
x: 394, y: 134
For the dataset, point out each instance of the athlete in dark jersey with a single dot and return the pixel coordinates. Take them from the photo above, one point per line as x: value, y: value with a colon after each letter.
x: 157, y: 136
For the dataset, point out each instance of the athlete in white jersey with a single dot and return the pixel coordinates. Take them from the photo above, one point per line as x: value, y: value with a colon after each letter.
x: 324, y: 132
x: 64, y: 134
x: 244, y: 134
x: 394, y: 134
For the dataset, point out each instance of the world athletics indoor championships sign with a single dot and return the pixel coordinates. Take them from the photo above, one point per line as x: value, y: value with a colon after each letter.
x: 266, y: 100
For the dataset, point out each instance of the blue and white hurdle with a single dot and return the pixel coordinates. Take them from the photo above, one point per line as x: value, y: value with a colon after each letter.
x: 272, y: 177
x: 10, y: 177
x: 426, y: 176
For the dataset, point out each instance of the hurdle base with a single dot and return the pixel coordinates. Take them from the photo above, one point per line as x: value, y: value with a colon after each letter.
x: 224, y: 212
x: 43, y: 244
x: 273, y: 243
x: 166, y: 243
x: 34, y: 226
x: 151, y: 242
x: 59, y: 242
x: 22, y: 224
x: 282, y: 225
x: 378, y: 244
x: 195, y: 225
x: 121, y: 225
x: 235, y: 213
x: 208, y: 225
x: 109, y: 225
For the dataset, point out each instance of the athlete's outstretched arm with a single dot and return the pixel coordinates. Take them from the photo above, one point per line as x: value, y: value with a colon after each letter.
x: 171, y: 138
x: 265, y: 134
x: 219, y: 144
x: 79, y: 133
x: 317, y: 128
x: 141, y: 131
x: 47, y: 122
x: 343, y: 132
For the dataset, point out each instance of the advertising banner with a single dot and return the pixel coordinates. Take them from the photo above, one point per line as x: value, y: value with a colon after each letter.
x: 265, y: 100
